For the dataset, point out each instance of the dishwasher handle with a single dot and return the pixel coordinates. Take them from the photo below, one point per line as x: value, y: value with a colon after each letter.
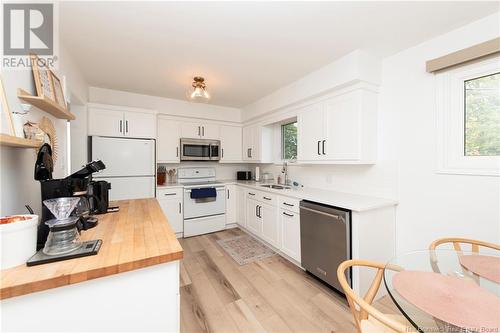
x: 336, y: 216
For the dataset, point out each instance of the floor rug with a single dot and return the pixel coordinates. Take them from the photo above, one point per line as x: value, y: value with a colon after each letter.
x: 245, y: 249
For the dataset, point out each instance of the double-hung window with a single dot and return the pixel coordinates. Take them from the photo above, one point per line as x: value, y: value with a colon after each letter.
x: 289, y: 141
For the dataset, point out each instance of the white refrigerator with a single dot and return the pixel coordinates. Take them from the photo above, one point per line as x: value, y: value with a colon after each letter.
x: 130, y: 166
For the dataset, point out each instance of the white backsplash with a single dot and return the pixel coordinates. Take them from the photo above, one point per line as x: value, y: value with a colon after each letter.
x: 222, y: 170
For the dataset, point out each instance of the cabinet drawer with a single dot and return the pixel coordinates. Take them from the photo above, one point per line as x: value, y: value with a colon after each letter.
x: 267, y: 198
x: 290, y: 204
x: 169, y: 193
x: 252, y: 194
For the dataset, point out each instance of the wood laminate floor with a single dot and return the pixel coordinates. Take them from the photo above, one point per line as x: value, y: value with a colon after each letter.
x: 268, y: 295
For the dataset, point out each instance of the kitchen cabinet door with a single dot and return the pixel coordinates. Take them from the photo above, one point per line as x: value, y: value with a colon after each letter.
x: 247, y: 140
x: 230, y: 139
x: 105, y: 122
x: 311, y: 133
x: 190, y: 130
x: 253, y: 222
x: 210, y: 131
x: 231, y: 204
x: 242, y: 206
x: 343, y: 119
x: 140, y: 125
x: 168, y: 141
x: 173, y: 211
x: 290, y: 234
x: 270, y: 224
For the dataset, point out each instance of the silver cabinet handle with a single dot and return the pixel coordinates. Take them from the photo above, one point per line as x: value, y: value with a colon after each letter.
x: 319, y: 148
x: 222, y: 152
x: 167, y: 194
x: 180, y: 208
x: 324, y: 147
x: 199, y: 131
x: 176, y: 151
x: 257, y: 211
x: 202, y: 130
x: 250, y: 152
x: 228, y: 193
x: 126, y: 126
x: 267, y: 198
x: 251, y: 193
x: 121, y: 121
x: 287, y: 204
x: 290, y: 215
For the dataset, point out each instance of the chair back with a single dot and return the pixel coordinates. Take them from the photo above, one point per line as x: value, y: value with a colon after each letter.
x: 457, y: 246
x: 361, y: 307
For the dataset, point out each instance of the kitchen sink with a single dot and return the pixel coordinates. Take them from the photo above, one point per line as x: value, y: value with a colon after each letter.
x: 276, y: 187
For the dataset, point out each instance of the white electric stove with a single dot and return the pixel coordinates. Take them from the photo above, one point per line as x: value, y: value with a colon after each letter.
x: 204, y: 201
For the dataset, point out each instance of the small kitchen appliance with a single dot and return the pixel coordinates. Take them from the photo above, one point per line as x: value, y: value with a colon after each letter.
x: 63, y: 241
x: 98, y: 192
x: 244, y: 175
x: 75, y: 185
x: 200, y: 150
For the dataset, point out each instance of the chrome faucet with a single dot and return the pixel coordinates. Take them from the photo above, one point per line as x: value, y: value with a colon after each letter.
x: 285, y: 171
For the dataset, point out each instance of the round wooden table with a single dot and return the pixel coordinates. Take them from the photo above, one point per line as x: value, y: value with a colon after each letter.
x: 446, y: 290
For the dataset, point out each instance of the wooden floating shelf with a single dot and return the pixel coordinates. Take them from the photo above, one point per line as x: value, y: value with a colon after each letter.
x: 14, y: 141
x: 45, y: 104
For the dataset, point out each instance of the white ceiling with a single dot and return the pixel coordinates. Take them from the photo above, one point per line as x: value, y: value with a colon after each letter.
x: 245, y: 50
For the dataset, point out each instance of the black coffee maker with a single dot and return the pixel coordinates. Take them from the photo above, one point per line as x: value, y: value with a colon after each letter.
x: 76, y: 184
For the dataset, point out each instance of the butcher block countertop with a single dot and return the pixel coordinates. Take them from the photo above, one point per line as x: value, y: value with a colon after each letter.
x: 135, y: 237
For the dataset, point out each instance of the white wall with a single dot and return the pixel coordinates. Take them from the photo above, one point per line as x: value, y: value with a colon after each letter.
x: 164, y: 105
x: 431, y: 205
x: 435, y: 205
x: 357, y: 66
x: 17, y: 185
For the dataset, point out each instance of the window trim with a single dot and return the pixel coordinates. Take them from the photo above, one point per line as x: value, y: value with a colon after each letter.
x: 450, y: 97
x: 282, y: 141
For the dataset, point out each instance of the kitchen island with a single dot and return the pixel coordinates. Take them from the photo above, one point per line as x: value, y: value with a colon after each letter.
x: 132, y: 284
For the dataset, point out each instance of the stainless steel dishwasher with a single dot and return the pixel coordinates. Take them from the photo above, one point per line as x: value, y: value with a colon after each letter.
x: 325, y: 239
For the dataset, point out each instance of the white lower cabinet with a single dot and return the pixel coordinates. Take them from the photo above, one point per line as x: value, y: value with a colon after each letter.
x: 270, y: 224
x: 170, y: 201
x: 231, y: 204
x: 241, y: 206
x: 253, y: 222
x: 263, y: 220
x: 290, y: 233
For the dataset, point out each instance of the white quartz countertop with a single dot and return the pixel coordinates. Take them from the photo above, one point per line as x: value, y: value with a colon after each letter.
x: 354, y: 202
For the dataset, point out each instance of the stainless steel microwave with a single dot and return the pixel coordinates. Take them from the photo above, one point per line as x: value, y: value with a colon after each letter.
x: 200, y: 150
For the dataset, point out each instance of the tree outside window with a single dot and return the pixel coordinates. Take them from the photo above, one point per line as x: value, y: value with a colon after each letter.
x: 289, y: 141
x: 482, y: 116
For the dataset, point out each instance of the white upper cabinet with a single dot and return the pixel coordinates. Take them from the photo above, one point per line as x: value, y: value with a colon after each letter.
x: 197, y: 130
x: 168, y: 150
x: 115, y: 122
x: 230, y: 139
x: 105, y: 122
x: 311, y: 134
x: 341, y: 129
x: 140, y: 125
x: 257, y: 142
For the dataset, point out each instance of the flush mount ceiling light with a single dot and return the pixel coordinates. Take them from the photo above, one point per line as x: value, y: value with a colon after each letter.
x: 199, y: 91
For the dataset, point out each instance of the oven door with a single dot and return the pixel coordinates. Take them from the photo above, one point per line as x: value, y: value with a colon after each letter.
x: 194, y: 208
x: 199, y: 150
